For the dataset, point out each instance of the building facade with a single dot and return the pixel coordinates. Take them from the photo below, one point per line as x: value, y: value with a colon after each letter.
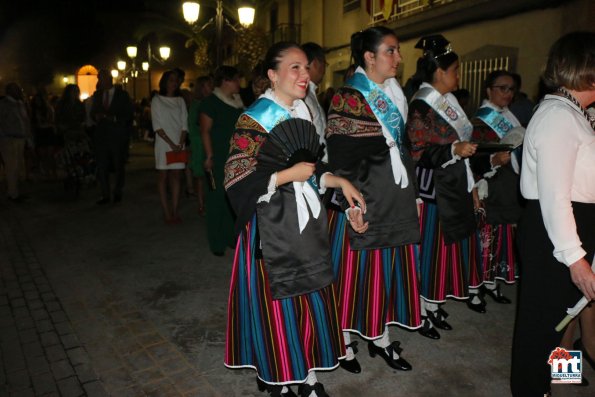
x: 487, y: 34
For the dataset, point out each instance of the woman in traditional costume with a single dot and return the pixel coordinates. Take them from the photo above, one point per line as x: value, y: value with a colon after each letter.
x: 375, y: 271
x: 439, y: 134
x: 498, y: 188
x: 556, y: 231
x: 282, y: 314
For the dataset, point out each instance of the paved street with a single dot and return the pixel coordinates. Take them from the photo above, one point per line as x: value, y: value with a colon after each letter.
x: 110, y: 300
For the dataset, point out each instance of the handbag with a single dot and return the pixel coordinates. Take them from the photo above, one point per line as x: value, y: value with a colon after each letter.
x: 176, y: 157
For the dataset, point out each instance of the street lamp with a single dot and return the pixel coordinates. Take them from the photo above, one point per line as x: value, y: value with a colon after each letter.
x: 164, y: 52
x: 132, y: 52
x: 246, y: 15
x: 191, y: 10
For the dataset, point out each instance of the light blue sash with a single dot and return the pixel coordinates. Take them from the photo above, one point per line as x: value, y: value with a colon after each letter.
x: 496, y: 120
x: 267, y: 113
x: 384, y: 109
x: 441, y: 105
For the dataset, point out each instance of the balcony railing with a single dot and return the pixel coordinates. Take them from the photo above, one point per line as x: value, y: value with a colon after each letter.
x: 404, y: 8
x: 286, y: 32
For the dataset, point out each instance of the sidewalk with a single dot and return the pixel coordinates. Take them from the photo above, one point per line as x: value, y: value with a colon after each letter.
x: 111, y: 301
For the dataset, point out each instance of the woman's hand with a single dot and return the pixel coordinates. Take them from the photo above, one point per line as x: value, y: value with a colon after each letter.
x: 352, y: 195
x: 477, y: 203
x: 208, y: 164
x: 354, y: 214
x: 356, y: 219
x: 500, y: 158
x: 176, y: 148
x: 583, y: 277
x: 465, y: 149
x: 299, y: 172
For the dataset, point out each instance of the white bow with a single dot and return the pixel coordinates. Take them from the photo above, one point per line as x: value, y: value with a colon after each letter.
x: 470, y: 179
x: 306, y: 196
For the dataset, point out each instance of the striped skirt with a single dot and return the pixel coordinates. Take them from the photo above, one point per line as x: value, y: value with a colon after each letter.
x: 282, y: 339
x: 496, y: 253
x: 374, y: 287
x: 445, y: 270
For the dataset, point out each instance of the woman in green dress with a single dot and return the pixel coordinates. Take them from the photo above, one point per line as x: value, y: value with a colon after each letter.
x: 218, y: 115
x: 203, y: 87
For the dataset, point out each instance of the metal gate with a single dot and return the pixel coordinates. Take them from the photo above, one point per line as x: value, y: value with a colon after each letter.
x: 473, y: 74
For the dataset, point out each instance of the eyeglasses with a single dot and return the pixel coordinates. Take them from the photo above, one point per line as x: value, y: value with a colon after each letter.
x: 505, y: 89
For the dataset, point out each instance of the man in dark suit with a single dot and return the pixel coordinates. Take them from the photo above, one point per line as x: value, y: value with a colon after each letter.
x: 112, y: 111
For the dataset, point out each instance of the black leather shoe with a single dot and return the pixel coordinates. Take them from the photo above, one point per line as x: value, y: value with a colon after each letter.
x: 117, y: 198
x: 496, y: 295
x: 476, y: 307
x: 305, y: 390
x: 274, y: 390
x: 578, y: 345
x: 351, y: 365
x: 428, y: 331
x: 387, y: 354
x: 438, y: 319
x: 102, y: 201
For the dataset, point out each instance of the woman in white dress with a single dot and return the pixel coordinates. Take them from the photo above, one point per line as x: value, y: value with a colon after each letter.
x: 170, y: 123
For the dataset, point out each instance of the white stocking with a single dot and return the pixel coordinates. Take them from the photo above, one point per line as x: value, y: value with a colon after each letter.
x: 475, y: 292
x: 349, y: 351
x: 383, y: 341
x: 311, y: 380
x: 430, y: 307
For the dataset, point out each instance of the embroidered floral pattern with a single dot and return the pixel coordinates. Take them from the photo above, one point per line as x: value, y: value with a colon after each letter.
x: 351, y: 102
x: 246, y: 122
x: 338, y: 125
x: 350, y: 114
x: 425, y: 128
x: 246, y: 143
x: 237, y: 168
x: 483, y: 133
x: 243, y: 149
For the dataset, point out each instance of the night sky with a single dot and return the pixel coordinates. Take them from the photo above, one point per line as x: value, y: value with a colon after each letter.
x: 39, y: 39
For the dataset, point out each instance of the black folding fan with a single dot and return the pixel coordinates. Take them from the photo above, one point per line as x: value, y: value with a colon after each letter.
x: 290, y: 142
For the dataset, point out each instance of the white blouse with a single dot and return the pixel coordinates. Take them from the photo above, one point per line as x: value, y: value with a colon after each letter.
x: 558, y: 167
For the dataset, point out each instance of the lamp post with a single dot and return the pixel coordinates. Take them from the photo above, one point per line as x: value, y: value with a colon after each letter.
x: 132, y: 52
x: 191, y: 11
x: 164, y: 53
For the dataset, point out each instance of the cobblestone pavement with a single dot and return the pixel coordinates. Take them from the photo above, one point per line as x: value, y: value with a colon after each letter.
x: 41, y: 354
x: 109, y: 300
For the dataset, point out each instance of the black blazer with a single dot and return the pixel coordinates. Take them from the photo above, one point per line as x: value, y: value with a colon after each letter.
x: 118, y: 117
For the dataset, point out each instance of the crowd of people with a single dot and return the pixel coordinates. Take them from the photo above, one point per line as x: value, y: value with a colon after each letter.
x: 376, y: 210
x: 362, y: 207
